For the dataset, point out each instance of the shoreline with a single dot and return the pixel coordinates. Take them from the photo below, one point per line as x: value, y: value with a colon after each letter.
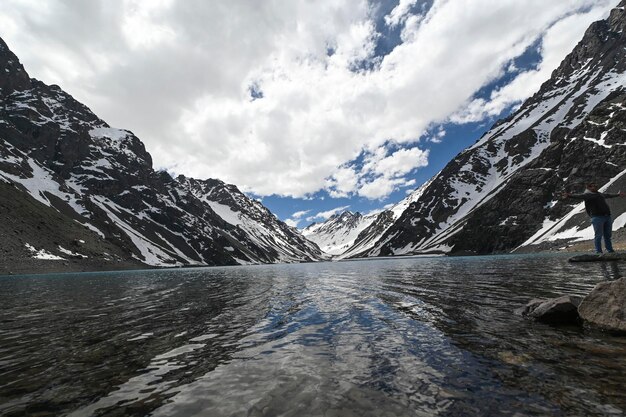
x: 34, y: 266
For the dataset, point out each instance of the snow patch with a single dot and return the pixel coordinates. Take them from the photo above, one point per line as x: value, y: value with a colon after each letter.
x: 70, y: 253
x: 108, y: 132
x: 226, y: 213
x: 43, y: 254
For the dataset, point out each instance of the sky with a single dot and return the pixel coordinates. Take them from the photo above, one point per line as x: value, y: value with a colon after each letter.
x: 312, y: 107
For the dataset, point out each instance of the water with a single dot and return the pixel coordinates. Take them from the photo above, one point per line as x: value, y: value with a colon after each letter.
x: 401, y: 337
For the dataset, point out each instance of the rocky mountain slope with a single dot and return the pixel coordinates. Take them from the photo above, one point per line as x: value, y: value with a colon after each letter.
x: 59, y: 158
x: 501, y: 194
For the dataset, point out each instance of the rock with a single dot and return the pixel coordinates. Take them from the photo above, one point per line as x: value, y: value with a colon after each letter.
x: 561, y: 310
x: 530, y: 307
x: 602, y: 257
x: 605, y: 306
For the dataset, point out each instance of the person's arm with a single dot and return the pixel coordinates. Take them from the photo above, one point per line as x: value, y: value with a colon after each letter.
x: 613, y: 195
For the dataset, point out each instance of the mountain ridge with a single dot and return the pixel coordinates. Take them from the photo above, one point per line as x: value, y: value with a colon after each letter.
x: 471, y: 205
x: 56, y: 151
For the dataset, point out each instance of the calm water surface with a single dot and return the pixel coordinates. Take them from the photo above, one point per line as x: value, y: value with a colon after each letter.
x: 401, y: 337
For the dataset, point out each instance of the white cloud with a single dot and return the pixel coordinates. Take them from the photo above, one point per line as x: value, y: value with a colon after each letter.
x: 178, y: 74
x: 380, y: 173
x: 325, y: 215
x: 557, y: 42
x: 299, y: 214
x: 399, y: 13
x: 381, y: 187
x: 296, y: 218
x: 140, y: 23
x: 438, y: 136
x: 402, y: 162
x: 343, y: 182
x: 292, y: 222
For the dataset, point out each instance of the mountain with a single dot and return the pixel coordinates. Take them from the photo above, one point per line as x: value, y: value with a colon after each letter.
x: 90, y: 197
x: 339, y: 232
x: 501, y: 194
x: 269, y: 239
x: 347, y: 234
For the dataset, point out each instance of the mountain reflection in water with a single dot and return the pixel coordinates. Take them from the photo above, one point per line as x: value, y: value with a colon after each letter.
x: 397, y: 337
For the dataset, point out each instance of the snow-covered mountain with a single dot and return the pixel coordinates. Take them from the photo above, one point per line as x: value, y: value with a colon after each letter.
x: 60, y: 155
x: 269, y: 239
x: 338, y: 234
x: 500, y: 194
x: 348, y: 234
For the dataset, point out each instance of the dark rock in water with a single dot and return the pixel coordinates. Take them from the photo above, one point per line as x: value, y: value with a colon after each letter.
x: 605, y: 306
x: 601, y: 257
x: 530, y: 307
x: 561, y: 310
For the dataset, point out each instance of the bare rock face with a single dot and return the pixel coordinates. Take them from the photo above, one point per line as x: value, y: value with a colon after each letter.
x: 561, y: 310
x: 605, y: 306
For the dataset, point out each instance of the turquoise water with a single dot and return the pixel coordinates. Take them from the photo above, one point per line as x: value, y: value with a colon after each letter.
x: 393, y: 337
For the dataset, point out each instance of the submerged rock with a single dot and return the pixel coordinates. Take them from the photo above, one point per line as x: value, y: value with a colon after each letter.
x: 561, y: 310
x: 605, y: 306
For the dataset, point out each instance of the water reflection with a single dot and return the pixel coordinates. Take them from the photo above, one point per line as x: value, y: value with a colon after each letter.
x: 388, y: 337
x: 610, y: 270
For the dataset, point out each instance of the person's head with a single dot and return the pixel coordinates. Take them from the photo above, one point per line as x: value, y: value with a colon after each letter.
x: 592, y: 186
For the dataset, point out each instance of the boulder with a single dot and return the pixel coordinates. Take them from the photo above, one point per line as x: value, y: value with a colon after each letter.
x: 561, y: 310
x: 605, y: 306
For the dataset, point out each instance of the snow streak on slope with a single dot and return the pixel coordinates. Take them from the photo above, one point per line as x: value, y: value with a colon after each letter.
x: 252, y: 218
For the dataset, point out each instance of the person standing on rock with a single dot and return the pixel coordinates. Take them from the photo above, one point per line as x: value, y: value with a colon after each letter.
x: 600, y: 213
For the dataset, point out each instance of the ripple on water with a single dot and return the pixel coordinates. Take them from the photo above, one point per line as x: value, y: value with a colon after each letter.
x: 402, y: 337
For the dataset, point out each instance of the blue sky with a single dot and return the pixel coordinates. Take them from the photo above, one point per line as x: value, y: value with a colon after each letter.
x: 457, y: 137
x: 311, y: 107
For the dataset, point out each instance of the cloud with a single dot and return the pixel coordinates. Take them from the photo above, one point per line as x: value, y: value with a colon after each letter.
x: 263, y: 95
x: 438, y: 136
x: 343, y: 182
x: 381, y: 172
x: 292, y: 222
x: 381, y: 187
x: 399, y: 13
x: 557, y: 42
x: 401, y: 162
x: 325, y: 215
x: 296, y: 218
x: 299, y: 214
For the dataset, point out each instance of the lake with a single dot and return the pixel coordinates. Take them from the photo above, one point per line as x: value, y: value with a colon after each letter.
x: 387, y: 337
